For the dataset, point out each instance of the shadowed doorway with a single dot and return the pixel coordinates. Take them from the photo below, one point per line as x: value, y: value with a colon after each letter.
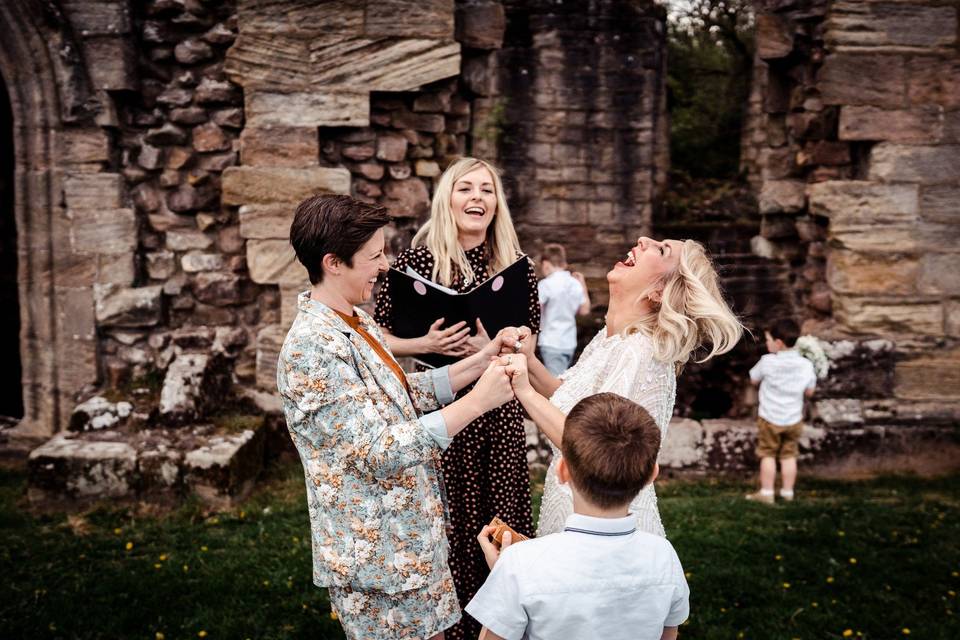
x: 11, y: 390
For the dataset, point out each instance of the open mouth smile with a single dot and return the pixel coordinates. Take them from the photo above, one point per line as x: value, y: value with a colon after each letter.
x: 474, y: 211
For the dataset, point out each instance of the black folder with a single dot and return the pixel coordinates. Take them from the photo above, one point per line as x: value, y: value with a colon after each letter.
x: 502, y: 300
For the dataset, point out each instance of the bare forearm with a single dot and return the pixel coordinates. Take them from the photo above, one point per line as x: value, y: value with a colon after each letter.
x: 401, y: 347
x: 549, y: 419
x: 465, y: 371
x: 669, y: 633
x: 542, y: 380
x: 460, y: 413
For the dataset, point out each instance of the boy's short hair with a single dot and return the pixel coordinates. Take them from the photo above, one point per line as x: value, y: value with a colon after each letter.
x: 334, y: 224
x: 555, y: 253
x: 610, y: 445
x: 785, y: 330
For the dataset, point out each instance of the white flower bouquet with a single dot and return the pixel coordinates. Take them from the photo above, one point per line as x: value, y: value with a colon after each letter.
x: 810, y: 348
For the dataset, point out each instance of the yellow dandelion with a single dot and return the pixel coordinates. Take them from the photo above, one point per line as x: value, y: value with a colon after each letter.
x: 304, y: 605
x: 687, y: 574
x: 952, y: 593
x: 243, y: 514
x: 157, y: 565
x: 159, y: 636
x: 841, y: 533
x: 847, y: 633
x: 266, y: 583
x: 905, y: 631
x: 786, y: 585
x: 778, y: 557
x: 128, y: 546
x: 202, y: 634
x: 829, y: 579
x: 186, y: 568
x: 740, y: 634
x: 333, y: 615
x: 203, y: 548
x: 853, y: 561
x: 723, y: 609
x: 117, y: 531
x: 163, y: 557
x: 814, y: 604
x: 955, y: 574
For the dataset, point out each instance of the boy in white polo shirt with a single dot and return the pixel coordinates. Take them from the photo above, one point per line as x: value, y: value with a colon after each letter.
x: 785, y: 378
x: 599, y: 577
x: 563, y: 296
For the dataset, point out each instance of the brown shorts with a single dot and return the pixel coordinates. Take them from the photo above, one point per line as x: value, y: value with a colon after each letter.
x: 778, y: 442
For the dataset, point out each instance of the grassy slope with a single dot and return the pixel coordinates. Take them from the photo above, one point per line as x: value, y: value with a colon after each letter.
x: 245, y: 573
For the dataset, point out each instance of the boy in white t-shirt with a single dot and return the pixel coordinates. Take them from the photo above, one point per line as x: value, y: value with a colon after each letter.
x: 785, y: 378
x: 563, y: 296
x: 600, y: 577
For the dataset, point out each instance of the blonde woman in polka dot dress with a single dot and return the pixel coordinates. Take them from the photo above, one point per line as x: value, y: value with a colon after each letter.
x: 468, y: 238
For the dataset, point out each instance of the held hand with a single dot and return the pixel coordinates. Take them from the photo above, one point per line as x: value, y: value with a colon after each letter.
x: 515, y: 366
x: 579, y: 278
x: 516, y: 340
x: 493, y: 388
x: 479, y: 341
x: 490, y: 552
x: 450, y: 341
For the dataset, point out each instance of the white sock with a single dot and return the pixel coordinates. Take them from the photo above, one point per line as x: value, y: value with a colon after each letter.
x: 786, y: 493
x: 768, y: 492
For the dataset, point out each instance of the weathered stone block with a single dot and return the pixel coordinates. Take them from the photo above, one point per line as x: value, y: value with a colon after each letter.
x: 192, y: 51
x: 187, y: 239
x: 103, y: 231
x: 853, y: 273
x: 211, y: 91
x: 81, y: 146
x: 210, y: 137
x: 934, y: 80
x: 410, y: 18
x: 98, y: 18
x: 194, y: 383
x: 683, y: 446
x: 331, y: 108
x: 159, y: 469
x: 274, y: 262
x: 406, y: 198
x: 391, y: 147
x: 120, y: 307
x: 934, y: 376
x: 195, y: 261
x: 891, y: 162
x: 894, y: 238
x: 853, y: 202
x: 262, y: 185
x: 782, y: 196
x: 729, y: 444
x: 269, y: 341
x: 111, y: 62
x: 854, y: 24
x: 951, y: 311
x: 774, y: 36
x: 940, y: 203
x: 160, y: 264
x: 481, y: 25
x: 266, y: 221
x: 838, y: 412
x: 219, y: 289
x: 280, y: 146
x: 98, y: 413
x: 93, y: 191
x: 891, y: 316
x: 223, y: 471
x: 919, y: 125
x: 851, y: 79
x: 940, y: 274
x: 81, y: 469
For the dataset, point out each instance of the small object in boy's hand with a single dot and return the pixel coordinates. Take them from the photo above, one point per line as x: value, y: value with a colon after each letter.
x: 503, y: 527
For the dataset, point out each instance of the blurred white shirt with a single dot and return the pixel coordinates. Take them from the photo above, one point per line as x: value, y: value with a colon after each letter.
x: 560, y: 295
x: 783, y: 377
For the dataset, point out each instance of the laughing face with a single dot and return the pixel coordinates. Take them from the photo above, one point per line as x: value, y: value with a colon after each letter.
x: 474, y: 202
x: 644, y: 265
x: 368, y: 263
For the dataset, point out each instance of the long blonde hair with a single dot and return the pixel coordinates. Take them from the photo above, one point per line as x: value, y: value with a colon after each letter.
x: 692, y: 311
x: 439, y: 233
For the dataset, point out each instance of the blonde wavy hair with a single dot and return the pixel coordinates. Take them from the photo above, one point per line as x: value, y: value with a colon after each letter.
x: 439, y: 233
x: 692, y: 311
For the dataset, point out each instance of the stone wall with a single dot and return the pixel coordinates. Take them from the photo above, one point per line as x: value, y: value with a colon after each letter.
x: 573, y: 108
x: 853, y: 146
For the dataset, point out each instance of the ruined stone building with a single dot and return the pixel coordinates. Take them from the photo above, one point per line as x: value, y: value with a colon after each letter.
x: 153, y: 153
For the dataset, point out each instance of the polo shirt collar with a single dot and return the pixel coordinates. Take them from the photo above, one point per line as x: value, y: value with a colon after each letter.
x: 605, y: 527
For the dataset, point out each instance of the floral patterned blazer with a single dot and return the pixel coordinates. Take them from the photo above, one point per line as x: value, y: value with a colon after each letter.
x: 373, y: 486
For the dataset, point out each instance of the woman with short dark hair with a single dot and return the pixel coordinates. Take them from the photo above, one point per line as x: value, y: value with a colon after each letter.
x: 369, y: 436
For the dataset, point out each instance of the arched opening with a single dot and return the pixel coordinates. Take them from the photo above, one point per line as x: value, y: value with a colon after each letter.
x: 11, y: 387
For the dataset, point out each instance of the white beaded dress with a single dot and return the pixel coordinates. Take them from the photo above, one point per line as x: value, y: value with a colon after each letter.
x: 625, y: 366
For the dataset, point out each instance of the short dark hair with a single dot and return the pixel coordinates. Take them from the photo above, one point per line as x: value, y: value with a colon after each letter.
x: 555, y: 253
x: 786, y: 330
x: 333, y: 224
x: 610, y: 445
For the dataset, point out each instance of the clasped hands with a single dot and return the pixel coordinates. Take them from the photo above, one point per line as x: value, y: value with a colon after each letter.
x: 506, y: 375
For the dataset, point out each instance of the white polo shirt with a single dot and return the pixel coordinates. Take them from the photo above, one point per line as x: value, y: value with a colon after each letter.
x: 598, y: 578
x: 783, y: 377
x: 560, y: 295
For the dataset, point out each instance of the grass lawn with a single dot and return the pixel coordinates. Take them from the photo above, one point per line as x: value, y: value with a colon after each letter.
x: 870, y: 559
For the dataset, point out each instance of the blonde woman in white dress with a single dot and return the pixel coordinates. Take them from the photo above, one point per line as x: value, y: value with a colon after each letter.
x: 665, y: 303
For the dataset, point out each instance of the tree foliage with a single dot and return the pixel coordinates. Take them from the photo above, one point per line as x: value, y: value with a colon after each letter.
x: 710, y: 56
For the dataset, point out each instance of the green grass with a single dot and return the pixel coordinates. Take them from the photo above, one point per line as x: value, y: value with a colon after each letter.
x: 246, y: 573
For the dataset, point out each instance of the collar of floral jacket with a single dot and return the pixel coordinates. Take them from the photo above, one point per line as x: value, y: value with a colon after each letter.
x: 381, y: 373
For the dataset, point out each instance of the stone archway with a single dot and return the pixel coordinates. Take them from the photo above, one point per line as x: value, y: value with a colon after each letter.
x: 59, y: 155
x: 11, y: 394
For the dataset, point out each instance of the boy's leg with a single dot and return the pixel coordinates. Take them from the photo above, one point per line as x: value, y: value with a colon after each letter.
x: 788, y: 469
x: 768, y: 474
x: 788, y: 459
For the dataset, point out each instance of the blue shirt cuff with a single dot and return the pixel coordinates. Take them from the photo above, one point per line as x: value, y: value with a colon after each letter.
x: 436, y: 426
x: 442, y: 386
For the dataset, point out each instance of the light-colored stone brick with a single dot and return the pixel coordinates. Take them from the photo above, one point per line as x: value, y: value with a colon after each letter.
x: 263, y: 185
x: 908, y: 163
x: 889, y: 316
x: 853, y: 273
x: 274, y: 262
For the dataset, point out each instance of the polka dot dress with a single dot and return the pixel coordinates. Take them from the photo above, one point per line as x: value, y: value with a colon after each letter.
x: 485, y: 467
